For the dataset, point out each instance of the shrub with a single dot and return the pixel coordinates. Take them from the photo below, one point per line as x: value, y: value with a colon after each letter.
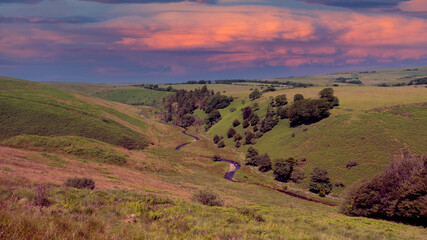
x: 41, y: 197
x: 283, y: 169
x: 351, y: 164
x: 233, y: 109
x: 251, y: 213
x: 221, y: 144
x: 252, y: 157
x: 238, y: 144
x: 246, y: 112
x: 254, y: 95
x: 264, y: 163
x: 249, y: 138
x: 237, y: 137
x: 216, y: 139
x: 208, y: 197
x: 254, y: 119
x: 280, y: 100
x: 259, y: 135
x: 231, y: 132
x: 245, y: 124
x: 399, y: 193
x: 297, y: 175
x: 216, y: 157
x: 80, y: 183
x: 298, y: 97
x: 319, y: 182
x: 236, y: 123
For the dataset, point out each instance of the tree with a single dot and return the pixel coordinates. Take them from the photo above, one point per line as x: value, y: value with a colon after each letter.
x: 231, y: 132
x: 221, y: 144
x: 255, y: 95
x: 217, y: 101
x: 280, y: 100
x: 320, y: 182
x: 213, y: 117
x: 249, y: 138
x: 328, y: 95
x: 237, y: 137
x: 254, y: 119
x: 264, y: 163
x: 307, y: 111
x: 245, y: 123
x: 268, y: 123
x: 252, y: 157
x: 282, y: 112
x: 187, y: 121
x: 236, y: 123
x: 246, y: 112
x: 216, y: 139
x: 298, y: 97
x: 238, y: 144
x: 282, y: 169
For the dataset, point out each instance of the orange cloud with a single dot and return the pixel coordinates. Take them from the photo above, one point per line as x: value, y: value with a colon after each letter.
x: 414, y: 6
x: 273, y: 36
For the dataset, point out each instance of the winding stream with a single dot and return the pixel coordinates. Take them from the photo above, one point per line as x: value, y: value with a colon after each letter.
x: 234, y: 166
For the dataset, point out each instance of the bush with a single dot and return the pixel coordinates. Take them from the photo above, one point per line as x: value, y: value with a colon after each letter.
x: 399, y: 193
x: 238, y: 144
x: 221, y: 144
x: 41, y: 197
x: 259, y: 135
x: 251, y: 213
x: 216, y: 139
x: 351, y: 164
x: 264, y: 163
x: 280, y: 100
x: 249, y: 138
x: 236, y: 123
x: 208, y: 197
x: 237, y: 137
x: 246, y: 112
x: 245, y: 123
x: 298, y: 97
x: 80, y: 183
x: 283, y: 169
x: 231, y: 132
x: 319, y: 182
x: 255, y: 94
x: 252, y: 157
x: 216, y: 157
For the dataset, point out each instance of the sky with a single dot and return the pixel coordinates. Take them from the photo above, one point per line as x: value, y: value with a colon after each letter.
x: 160, y: 41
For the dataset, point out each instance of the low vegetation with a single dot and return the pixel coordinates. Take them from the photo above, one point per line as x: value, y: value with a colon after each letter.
x: 399, y: 193
x: 80, y: 183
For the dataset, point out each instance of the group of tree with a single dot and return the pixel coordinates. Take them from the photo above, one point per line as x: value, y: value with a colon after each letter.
x: 399, y: 193
x: 179, y: 107
x: 307, y: 111
x: 348, y: 80
x: 285, y: 170
x: 263, y: 162
x: 156, y: 87
x: 276, y: 82
x: 419, y: 81
x: 199, y: 82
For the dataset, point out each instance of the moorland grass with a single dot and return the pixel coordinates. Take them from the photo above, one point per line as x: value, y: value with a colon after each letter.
x: 36, y: 109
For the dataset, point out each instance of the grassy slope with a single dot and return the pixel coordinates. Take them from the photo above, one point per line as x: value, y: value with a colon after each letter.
x: 364, y: 128
x: 160, y: 170
x: 37, y: 109
x: 133, y: 95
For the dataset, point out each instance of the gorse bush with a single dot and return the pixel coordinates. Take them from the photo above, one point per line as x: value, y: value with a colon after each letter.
x: 399, y: 193
x: 207, y: 197
x: 80, y: 183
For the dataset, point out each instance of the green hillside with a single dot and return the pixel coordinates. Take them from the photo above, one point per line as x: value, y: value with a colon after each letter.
x: 371, y: 126
x: 37, y: 109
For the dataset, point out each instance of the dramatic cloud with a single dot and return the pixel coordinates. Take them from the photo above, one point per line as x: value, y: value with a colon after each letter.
x: 358, y: 3
x: 45, y: 20
x: 150, y: 1
x: 20, y: 1
x: 181, y: 40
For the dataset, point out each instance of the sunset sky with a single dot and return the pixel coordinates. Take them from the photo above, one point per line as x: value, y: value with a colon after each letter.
x: 180, y: 40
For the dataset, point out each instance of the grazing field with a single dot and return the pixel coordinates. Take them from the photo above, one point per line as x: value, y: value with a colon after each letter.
x: 367, y: 77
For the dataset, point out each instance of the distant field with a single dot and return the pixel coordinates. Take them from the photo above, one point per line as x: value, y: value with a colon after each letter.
x: 368, y: 77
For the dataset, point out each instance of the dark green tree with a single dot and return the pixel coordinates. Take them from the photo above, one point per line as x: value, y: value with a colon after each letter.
x: 298, y: 97
x: 280, y: 100
x: 236, y: 123
x: 252, y: 157
x: 264, y: 163
x: 231, y: 132
x: 255, y: 95
x: 283, y: 168
x: 320, y: 182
